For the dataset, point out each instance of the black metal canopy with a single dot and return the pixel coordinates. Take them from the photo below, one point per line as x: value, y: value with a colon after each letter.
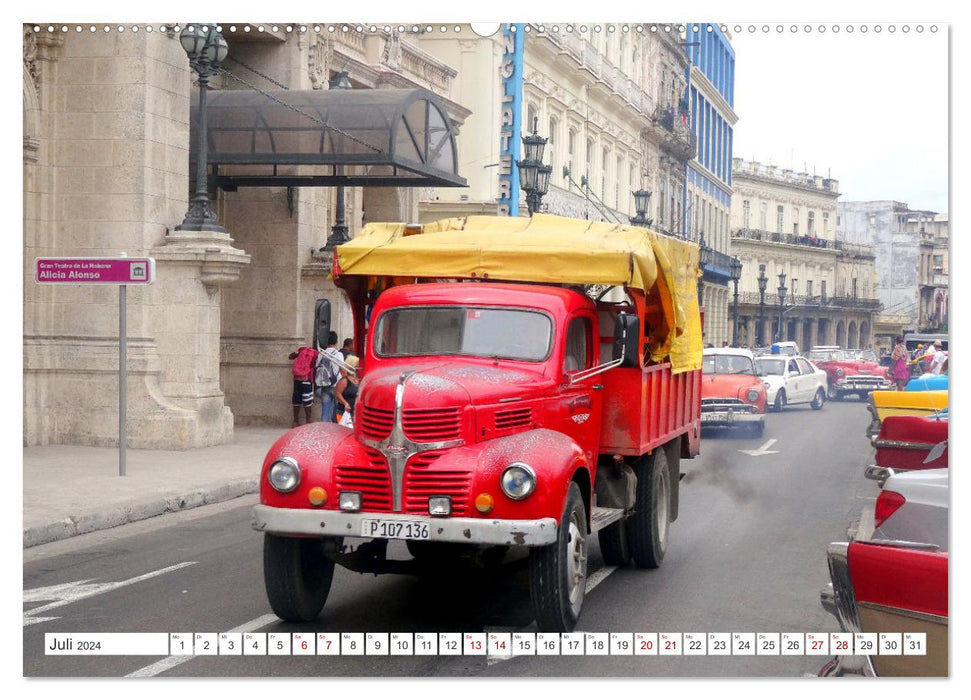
x: 306, y: 138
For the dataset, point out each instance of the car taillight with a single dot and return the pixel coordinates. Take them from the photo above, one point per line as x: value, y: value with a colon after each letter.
x: 887, y: 504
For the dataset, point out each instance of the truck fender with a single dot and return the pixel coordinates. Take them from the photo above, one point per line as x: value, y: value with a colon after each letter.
x: 315, y: 447
x: 555, y: 458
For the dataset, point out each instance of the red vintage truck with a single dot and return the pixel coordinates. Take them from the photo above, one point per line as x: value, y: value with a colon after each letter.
x: 527, y: 382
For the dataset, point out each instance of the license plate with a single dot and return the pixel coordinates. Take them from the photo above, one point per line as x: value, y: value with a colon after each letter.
x: 394, y: 529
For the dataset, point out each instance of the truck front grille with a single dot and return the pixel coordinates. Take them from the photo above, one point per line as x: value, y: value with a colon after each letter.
x: 432, y: 424
x: 420, y: 482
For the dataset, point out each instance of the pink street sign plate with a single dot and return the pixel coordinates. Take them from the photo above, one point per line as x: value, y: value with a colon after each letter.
x: 95, y: 270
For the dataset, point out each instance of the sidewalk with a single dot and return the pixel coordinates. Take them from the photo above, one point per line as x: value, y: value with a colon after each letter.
x: 70, y: 490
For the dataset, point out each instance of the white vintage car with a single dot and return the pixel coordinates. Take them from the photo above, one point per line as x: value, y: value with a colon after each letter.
x: 791, y: 380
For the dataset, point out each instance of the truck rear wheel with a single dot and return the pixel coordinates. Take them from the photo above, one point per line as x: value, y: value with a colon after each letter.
x: 648, y: 525
x: 297, y: 575
x: 558, y: 571
x: 615, y: 544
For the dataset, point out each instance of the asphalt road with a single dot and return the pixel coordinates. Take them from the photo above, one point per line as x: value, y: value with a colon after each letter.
x: 747, y: 554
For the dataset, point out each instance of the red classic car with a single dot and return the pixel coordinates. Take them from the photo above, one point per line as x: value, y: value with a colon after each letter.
x: 848, y: 373
x: 731, y: 392
x: 896, y: 591
x: 908, y: 443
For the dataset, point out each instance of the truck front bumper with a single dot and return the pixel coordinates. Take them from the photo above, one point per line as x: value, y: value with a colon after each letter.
x: 336, y: 523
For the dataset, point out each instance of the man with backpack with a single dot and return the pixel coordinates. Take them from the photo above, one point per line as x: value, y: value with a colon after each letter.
x: 304, y: 361
x: 327, y: 375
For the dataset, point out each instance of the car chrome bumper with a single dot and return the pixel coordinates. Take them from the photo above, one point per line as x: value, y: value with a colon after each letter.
x: 730, y: 417
x: 335, y: 523
x: 850, y: 386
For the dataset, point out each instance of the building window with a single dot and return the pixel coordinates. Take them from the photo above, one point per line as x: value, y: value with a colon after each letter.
x: 746, y: 214
x: 826, y: 222
x: 589, y: 163
x: 854, y: 287
x: 809, y: 288
x: 811, y: 224
x: 604, y: 169
x: 778, y: 219
x: 763, y: 212
x: 822, y: 289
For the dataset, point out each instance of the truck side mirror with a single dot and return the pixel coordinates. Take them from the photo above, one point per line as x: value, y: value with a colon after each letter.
x: 627, y: 331
x: 321, y: 322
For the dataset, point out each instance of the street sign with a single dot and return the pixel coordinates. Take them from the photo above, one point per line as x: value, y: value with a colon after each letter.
x: 119, y: 270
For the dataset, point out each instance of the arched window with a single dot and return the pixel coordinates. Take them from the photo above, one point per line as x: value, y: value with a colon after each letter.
x: 552, y: 135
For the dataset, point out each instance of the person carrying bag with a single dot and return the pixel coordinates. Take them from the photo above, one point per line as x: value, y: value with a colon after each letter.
x: 346, y: 390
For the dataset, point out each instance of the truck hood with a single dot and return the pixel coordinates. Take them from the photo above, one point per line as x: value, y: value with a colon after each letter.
x: 449, y: 383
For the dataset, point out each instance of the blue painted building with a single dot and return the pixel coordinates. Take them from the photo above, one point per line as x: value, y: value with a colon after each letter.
x: 710, y: 99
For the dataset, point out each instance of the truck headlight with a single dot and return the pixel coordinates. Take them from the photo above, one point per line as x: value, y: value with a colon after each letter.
x: 752, y: 395
x: 518, y: 481
x: 284, y: 474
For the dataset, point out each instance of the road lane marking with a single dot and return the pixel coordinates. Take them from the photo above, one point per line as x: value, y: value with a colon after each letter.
x: 764, y: 450
x: 171, y: 662
x: 593, y: 581
x: 67, y: 593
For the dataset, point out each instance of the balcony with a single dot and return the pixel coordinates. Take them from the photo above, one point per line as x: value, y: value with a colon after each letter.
x: 675, y: 130
x: 814, y: 302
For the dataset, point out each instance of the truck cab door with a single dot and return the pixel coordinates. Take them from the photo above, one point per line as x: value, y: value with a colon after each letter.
x: 579, y: 408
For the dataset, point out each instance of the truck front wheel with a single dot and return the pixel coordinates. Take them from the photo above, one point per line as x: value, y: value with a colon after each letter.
x: 648, y: 525
x: 297, y: 574
x: 558, y: 571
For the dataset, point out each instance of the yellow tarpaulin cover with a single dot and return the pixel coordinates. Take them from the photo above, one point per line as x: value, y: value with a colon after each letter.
x: 545, y: 249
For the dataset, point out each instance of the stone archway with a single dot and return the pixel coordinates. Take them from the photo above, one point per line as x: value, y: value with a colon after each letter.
x: 841, y: 334
x: 864, y: 334
x: 822, y: 332
x: 852, y: 338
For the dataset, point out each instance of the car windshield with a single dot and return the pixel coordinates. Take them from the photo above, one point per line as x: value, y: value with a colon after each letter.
x: 770, y: 365
x: 727, y: 364
x: 514, y: 334
x: 866, y: 355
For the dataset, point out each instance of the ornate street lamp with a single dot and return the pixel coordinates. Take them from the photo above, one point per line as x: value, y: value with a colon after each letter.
x: 534, y: 176
x: 782, y: 300
x: 704, y: 261
x: 339, y: 231
x: 642, y: 199
x: 736, y: 270
x: 763, y: 281
x: 207, y: 49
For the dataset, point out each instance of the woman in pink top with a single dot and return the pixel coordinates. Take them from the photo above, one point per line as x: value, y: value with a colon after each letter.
x: 898, y: 361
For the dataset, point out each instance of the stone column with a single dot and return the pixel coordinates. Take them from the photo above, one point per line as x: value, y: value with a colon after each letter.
x: 114, y: 131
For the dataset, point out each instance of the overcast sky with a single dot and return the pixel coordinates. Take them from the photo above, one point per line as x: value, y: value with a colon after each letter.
x: 868, y: 109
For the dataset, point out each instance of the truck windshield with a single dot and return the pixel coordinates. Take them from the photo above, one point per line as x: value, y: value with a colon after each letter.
x: 514, y: 334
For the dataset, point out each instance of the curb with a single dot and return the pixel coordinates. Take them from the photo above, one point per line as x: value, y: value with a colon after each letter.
x: 121, y: 515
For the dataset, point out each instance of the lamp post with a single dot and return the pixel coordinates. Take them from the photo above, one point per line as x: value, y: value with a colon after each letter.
x: 339, y: 231
x: 782, y: 300
x: 206, y: 49
x: 642, y: 199
x: 763, y: 282
x: 535, y: 177
x: 736, y: 270
x: 704, y: 261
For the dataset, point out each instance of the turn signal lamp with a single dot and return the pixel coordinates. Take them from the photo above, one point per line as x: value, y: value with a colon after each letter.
x: 484, y: 503
x: 887, y: 504
x: 317, y: 496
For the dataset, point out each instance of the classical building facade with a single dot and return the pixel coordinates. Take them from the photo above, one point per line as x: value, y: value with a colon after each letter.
x: 106, y: 171
x: 786, y: 223
x: 602, y: 95
x: 911, y: 261
x: 710, y: 100
x: 934, y: 234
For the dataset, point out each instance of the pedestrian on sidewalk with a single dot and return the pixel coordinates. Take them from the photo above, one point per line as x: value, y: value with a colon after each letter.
x: 327, y: 376
x: 900, y: 372
x: 304, y: 360
x: 937, y: 359
x: 346, y: 390
x: 347, y: 348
